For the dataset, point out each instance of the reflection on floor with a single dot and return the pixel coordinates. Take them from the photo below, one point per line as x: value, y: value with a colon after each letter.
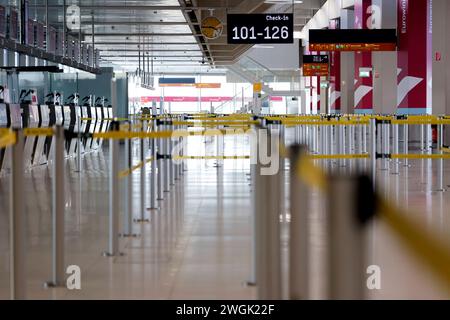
x: 198, y: 244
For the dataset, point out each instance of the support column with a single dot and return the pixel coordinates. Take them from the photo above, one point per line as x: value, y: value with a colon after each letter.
x: 363, y: 60
x: 384, y: 63
x: 347, y: 68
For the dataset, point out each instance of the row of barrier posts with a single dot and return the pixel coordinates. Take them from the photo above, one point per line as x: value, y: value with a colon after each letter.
x: 268, y: 195
x: 350, y: 202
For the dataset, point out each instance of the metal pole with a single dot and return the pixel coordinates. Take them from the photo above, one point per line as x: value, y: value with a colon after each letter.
x: 79, y: 143
x: 128, y: 194
x: 17, y: 223
x: 373, y: 148
x: 406, y: 144
x: 113, y: 241
x: 268, y: 228
x: 160, y: 168
x: 346, y: 244
x: 143, y: 175
x: 58, y: 208
x: 396, y: 148
x: 166, y: 164
x: 298, y: 230
x: 153, y: 185
x: 440, y: 174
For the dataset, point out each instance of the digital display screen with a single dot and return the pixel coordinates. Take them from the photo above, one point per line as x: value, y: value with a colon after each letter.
x: 40, y: 35
x: 316, y: 65
x: 52, y: 40
x: 30, y: 32
x: 13, y: 24
x: 260, y: 28
x: 353, y: 40
x: 315, y: 59
x: 2, y: 21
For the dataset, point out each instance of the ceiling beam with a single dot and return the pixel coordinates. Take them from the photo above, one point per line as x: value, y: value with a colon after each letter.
x: 132, y: 7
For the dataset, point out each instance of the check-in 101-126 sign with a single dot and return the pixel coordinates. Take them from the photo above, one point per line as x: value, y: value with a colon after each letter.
x: 260, y: 28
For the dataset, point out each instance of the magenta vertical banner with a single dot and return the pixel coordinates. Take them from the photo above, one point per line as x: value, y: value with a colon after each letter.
x: 363, y: 86
x: 335, y: 74
x: 412, y: 55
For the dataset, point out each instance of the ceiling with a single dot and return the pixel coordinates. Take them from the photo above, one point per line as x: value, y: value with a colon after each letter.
x: 166, y: 32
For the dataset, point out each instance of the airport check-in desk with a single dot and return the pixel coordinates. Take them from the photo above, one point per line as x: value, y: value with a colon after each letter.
x: 38, y: 150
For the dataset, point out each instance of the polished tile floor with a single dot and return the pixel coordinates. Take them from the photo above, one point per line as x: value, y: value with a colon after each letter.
x: 198, y: 244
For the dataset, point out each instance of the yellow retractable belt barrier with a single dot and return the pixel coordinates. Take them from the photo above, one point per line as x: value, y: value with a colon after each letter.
x: 339, y: 156
x: 420, y: 156
x: 7, y: 138
x: 127, y: 172
x: 120, y: 135
x: 420, y: 122
x: 422, y: 244
x: 325, y: 123
x: 29, y: 132
x: 211, y: 157
x: 311, y: 174
x: 213, y: 123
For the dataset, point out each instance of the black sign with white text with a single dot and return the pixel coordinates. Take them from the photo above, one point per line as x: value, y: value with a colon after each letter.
x: 260, y: 28
x: 315, y: 59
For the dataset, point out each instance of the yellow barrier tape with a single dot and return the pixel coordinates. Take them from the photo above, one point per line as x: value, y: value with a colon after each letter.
x: 213, y: 123
x: 420, y: 156
x: 446, y: 150
x: 311, y: 174
x: 7, y: 138
x: 420, y: 122
x: 127, y: 172
x: 29, y: 132
x: 211, y: 157
x: 325, y: 123
x: 423, y: 244
x: 121, y: 135
x: 340, y: 156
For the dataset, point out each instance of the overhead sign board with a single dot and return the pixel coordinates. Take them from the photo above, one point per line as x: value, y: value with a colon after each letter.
x: 353, y: 40
x: 260, y: 28
x: 316, y: 66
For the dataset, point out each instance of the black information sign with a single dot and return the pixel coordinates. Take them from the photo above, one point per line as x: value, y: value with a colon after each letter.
x: 260, y: 28
x: 315, y: 59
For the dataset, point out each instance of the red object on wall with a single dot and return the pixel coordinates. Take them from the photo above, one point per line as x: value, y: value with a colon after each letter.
x: 413, y: 64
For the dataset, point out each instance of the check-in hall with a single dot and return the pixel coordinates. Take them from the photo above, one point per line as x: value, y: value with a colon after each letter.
x: 199, y: 150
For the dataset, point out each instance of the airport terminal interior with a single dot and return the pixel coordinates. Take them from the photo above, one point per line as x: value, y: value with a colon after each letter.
x: 224, y: 149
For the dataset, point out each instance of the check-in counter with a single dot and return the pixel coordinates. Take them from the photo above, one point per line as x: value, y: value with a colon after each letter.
x: 30, y: 119
x: 39, y: 156
x: 14, y: 113
x: 85, y: 124
x: 56, y: 119
x: 4, y: 123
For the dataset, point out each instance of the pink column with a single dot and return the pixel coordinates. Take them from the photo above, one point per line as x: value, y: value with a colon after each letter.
x: 414, y: 56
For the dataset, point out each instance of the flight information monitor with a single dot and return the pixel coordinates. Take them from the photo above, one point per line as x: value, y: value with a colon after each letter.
x: 353, y: 40
x: 315, y: 65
